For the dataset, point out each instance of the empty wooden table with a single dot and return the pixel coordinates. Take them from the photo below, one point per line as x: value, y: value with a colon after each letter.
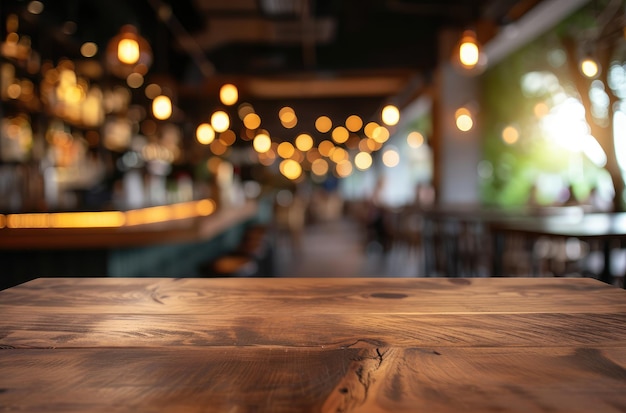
x: 313, y: 345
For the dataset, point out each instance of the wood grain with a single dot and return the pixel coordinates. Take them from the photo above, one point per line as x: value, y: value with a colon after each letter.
x: 315, y: 296
x: 313, y: 345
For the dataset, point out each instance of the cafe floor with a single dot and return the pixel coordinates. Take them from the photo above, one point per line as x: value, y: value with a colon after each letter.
x: 338, y: 248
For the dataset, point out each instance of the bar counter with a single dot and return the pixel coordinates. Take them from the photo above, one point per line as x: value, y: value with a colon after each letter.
x: 313, y: 345
x: 185, y: 222
x: 169, y: 241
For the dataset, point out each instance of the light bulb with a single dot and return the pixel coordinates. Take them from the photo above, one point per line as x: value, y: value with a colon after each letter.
x: 229, y: 94
x: 468, y: 54
x: 220, y: 121
x: 128, y: 51
x: 390, y: 115
x: 589, y: 67
x: 162, y: 107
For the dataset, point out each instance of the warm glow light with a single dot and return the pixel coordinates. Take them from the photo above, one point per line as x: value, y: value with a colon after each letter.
x: 288, y: 117
x: 128, y: 51
x: 87, y: 219
x: 325, y: 147
x: 380, y: 134
x: 391, y: 158
x: 110, y: 219
x: 468, y: 54
x: 340, y: 134
x: 244, y: 109
x: 510, y: 135
x: 323, y: 124
x: 469, y: 50
x: 541, y: 109
x: 205, y: 207
x: 286, y: 114
x: 589, y: 67
x: 162, y: 107
x: 220, y: 121
x: 35, y: 7
x: 415, y: 139
x: 354, y: 123
x: 88, y: 49
x: 205, y: 133
x: 229, y: 94
x: 228, y: 137
x: 304, y: 142
x: 67, y: 220
x: 363, y: 161
x: 291, y: 169
x: 343, y: 169
x: 218, y: 147
x: 372, y: 145
x: 370, y: 128
x: 14, y: 90
x: 262, y: 142
x: 134, y: 80
x: 152, y: 91
x: 464, y: 121
x: 390, y: 115
x: 252, y: 121
x: 319, y: 167
x: 364, y: 146
x: 339, y: 154
x: 313, y: 155
x: 285, y: 150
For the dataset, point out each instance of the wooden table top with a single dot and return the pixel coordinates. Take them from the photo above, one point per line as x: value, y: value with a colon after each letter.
x: 313, y: 345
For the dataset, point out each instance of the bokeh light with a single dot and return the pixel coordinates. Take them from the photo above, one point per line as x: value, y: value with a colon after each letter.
x: 285, y: 150
x: 89, y: 49
x: 162, y: 107
x: 510, y: 135
x: 363, y: 161
x: 252, y: 120
x: 229, y: 94
x: 205, y: 133
x: 220, y: 121
x: 354, y: 123
x: 304, y: 142
x: 325, y: 147
x: 391, y: 158
x: 415, y: 139
x: 323, y: 124
x: 589, y: 67
x: 390, y: 115
x: 463, y: 119
x: 340, y: 134
x: 262, y: 142
x: 287, y: 117
x: 343, y: 169
x: 290, y: 169
x: 319, y: 167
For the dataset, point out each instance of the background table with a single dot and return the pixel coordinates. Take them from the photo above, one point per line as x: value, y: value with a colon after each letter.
x: 604, y: 227
x: 330, y: 345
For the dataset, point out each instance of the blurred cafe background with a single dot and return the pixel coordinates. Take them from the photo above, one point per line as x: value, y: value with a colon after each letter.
x: 409, y: 138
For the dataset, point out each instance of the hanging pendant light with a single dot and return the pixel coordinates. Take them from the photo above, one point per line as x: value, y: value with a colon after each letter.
x: 468, y: 54
x: 128, y: 53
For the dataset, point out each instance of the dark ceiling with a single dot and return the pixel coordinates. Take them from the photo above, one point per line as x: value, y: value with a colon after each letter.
x: 329, y: 53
